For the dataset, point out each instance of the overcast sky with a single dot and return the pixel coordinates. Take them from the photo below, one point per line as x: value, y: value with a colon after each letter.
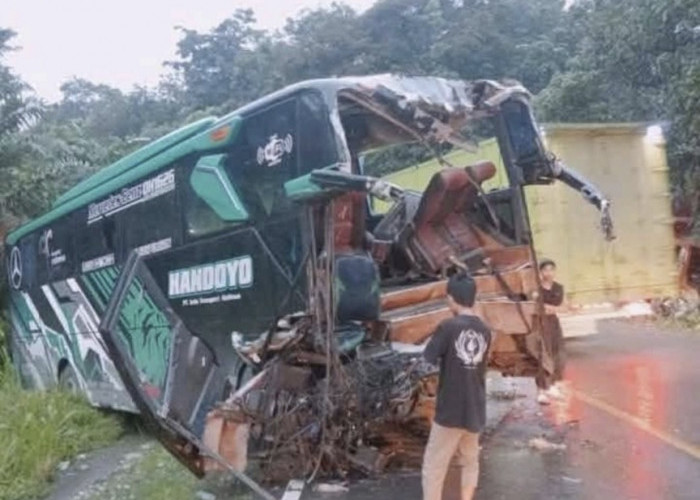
x: 118, y: 42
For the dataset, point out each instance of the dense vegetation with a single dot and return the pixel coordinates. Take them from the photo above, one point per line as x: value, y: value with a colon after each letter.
x: 599, y: 60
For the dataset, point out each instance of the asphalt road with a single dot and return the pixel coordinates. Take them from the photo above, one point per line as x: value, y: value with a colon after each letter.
x: 629, y: 421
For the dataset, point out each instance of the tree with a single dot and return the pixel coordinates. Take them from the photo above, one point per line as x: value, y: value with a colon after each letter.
x: 17, y: 108
x: 222, y: 66
x: 105, y: 112
x: 18, y: 111
x: 636, y: 60
x: 321, y: 43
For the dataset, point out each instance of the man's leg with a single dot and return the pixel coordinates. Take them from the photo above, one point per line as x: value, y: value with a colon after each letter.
x: 469, y: 462
x: 560, y: 352
x: 542, y: 382
x: 543, y: 379
x: 441, y: 447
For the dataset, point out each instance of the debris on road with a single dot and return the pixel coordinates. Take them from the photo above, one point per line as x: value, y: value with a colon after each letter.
x: 682, y: 310
x: 331, y: 488
x: 204, y: 495
x: 542, y: 444
x: 505, y: 395
x: 573, y: 480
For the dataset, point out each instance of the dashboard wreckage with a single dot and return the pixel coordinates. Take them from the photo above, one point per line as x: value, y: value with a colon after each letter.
x: 330, y: 380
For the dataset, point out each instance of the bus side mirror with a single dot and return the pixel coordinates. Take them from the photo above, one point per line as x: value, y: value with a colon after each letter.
x: 212, y: 185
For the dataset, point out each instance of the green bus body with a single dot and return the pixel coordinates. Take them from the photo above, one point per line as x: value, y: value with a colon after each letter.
x: 209, y: 212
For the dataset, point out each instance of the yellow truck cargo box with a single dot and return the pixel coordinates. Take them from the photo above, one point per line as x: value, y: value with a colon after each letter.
x: 628, y: 163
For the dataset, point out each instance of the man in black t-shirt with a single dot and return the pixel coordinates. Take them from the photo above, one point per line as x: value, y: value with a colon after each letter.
x: 460, y: 345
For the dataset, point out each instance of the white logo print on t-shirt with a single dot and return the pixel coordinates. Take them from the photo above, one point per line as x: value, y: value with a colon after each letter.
x: 470, y: 347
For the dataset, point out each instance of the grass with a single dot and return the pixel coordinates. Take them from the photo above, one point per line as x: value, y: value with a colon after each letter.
x: 40, y: 429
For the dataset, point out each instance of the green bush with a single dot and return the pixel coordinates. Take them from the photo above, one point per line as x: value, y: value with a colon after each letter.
x: 3, y: 340
x: 40, y: 429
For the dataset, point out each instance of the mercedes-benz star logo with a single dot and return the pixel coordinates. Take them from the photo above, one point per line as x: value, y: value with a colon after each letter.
x: 15, y: 269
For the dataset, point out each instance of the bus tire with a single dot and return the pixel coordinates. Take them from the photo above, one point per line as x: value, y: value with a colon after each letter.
x: 68, y: 380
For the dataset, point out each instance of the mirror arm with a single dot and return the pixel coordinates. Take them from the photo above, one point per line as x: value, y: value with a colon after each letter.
x: 590, y: 193
x: 335, y: 179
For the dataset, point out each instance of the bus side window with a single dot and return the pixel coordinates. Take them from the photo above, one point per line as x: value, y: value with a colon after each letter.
x: 200, y: 219
x: 97, y: 239
x: 207, y: 175
x: 263, y: 158
x: 277, y: 144
x: 317, y: 145
x: 151, y: 226
x: 109, y: 229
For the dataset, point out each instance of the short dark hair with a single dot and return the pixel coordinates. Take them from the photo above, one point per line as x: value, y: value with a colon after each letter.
x: 547, y: 262
x: 462, y: 288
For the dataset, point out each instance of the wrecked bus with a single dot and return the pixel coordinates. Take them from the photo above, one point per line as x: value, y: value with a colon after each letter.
x: 230, y: 282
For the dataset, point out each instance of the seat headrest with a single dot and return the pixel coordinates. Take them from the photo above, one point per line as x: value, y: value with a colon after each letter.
x: 482, y: 171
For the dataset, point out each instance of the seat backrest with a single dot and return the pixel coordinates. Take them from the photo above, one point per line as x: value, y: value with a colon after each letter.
x: 441, y: 229
x: 349, y: 222
x: 451, y: 190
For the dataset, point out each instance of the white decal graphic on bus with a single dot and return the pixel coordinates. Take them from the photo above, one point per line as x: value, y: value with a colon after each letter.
x: 231, y: 274
x: 155, y: 247
x: 45, y: 242
x: 55, y: 256
x: 275, y: 149
x: 97, y: 263
x: 147, y: 190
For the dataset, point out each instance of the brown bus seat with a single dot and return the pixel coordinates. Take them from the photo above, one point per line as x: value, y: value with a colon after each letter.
x: 349, y: 222
x: 441, y: 228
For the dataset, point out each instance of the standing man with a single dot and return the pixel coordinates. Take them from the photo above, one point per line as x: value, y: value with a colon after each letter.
x: 552, y: 296
x: 460, y: 345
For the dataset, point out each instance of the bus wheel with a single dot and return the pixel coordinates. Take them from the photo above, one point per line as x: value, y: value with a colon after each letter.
x: 68, y: 380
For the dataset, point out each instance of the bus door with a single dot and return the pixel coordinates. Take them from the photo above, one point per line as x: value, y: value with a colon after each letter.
x: 176, y: 405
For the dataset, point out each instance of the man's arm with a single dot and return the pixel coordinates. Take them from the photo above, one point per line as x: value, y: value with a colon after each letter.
x: 557, y: 305
x: 436, y: 346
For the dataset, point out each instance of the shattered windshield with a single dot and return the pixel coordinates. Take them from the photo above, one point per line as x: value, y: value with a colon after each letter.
x: 393, y: 123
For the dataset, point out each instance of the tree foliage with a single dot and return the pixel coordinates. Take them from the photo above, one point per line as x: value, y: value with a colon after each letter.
x: 636, y: 60
x: 599, y: 60
x: 18, y: 111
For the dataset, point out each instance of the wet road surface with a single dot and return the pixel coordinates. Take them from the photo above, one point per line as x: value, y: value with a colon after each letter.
x: 630, y: 421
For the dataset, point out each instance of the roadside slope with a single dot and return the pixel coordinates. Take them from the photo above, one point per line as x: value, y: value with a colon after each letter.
x: 38, y: 430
